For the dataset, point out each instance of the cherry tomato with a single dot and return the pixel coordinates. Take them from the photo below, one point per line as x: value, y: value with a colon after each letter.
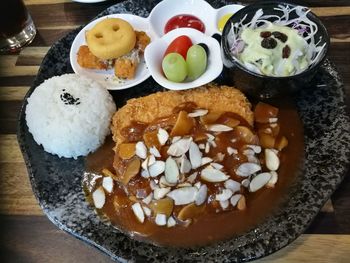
x: 179, y: 45
x: 184, y: 21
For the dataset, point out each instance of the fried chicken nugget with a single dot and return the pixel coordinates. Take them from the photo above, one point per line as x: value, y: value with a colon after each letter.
x: 161, y: 104
x: 142, y: 40
x: 88, y: 60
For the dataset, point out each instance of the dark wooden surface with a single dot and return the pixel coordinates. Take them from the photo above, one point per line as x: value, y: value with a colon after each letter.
x: 26, y: 235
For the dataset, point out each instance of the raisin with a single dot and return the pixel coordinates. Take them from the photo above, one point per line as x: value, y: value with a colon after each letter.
x: 269, y: 43
x: 286, y: 52
x: 265, y: 34
x: 281, y: 36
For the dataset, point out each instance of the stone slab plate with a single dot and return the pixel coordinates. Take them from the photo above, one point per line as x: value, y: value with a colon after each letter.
x: 57, y: 182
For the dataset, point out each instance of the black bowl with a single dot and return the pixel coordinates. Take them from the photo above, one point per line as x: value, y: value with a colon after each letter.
x: 262, y: 86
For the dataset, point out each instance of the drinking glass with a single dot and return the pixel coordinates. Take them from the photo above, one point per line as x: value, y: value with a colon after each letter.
x: 16, y: 26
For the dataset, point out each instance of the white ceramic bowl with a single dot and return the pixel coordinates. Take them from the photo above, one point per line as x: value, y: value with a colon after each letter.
x: 106, y: 77
x: 210, y: 16
x: 154, y: 27
x: 154, y: 54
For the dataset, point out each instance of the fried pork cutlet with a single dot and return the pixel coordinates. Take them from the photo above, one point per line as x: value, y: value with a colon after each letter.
x: 161, y: 104
x: 88, y: 60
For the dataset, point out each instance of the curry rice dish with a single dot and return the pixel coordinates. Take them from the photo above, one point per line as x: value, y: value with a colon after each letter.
x: 193, y: 167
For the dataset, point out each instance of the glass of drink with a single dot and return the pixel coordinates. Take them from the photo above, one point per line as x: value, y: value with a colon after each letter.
x: 16, y: 26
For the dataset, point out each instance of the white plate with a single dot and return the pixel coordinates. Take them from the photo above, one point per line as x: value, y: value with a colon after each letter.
x: 201, y: 9
x: 106, y: 77
x: 155, y: 51
x: 154, y: 27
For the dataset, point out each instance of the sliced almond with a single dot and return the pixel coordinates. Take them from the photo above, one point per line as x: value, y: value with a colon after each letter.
x: 161, y: 220
x: 145, y: 173
x: 255, y: 148
x: 201, y: 146
x: 201, y: 195
x: 190, y: 211
x: 207, y: 147
x: 148, y: 199
x: 253, y: 159
x: 198, y: 185
x: 247, y: 169
x: 141, y: 150
x: 241, y: 205
x: 248, y: 152
x: 192, y: 177
x: 217, y: 166
x: 224, y: 204
x: 245, y: 183
x: 184, y: 195
x: 271, y: 159
x: 259, y: 181
x: 164, y: 183
x: 138, y: 212
x: 231, y: 151
x: 233, y: 185
x: 185, y: 165
x: 163, y: 136
x: 185, y: 184
x: 213, y: 143
x: 195, y: 155
x: 198, y: 113
x: 153, y: 184
x: 273, y: 180
x: 273, y: 120
x: 213, y: 175
x: 156, y: 169
x: 148, y: 162
x: 159, y: 193
x: 132, y: 170
x: 180, y: 147
x: 162, y: 206
x: 210, y: 137
x: 147, y: 211
x: 175, y: 139
x: 99, y: 197
x: 154, y: 151
x: 171, y: 171
x: 206, y: 160
x: 107, y: 183
x: 219, y: 128
x: 234, y: 199
x: 224, y: 195
x: 171, y: 222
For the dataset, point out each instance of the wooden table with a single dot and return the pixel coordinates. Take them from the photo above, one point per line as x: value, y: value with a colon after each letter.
x: 26, y: 235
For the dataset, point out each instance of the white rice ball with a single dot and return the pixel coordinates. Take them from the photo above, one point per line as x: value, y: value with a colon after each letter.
x: 70, y: 115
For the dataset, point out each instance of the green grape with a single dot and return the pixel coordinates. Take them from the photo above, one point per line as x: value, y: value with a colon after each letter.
x: 174, y: 67
x: 196, y: 60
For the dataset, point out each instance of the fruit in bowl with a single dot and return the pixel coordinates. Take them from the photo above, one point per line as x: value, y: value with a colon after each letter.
x: 184, y: 58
